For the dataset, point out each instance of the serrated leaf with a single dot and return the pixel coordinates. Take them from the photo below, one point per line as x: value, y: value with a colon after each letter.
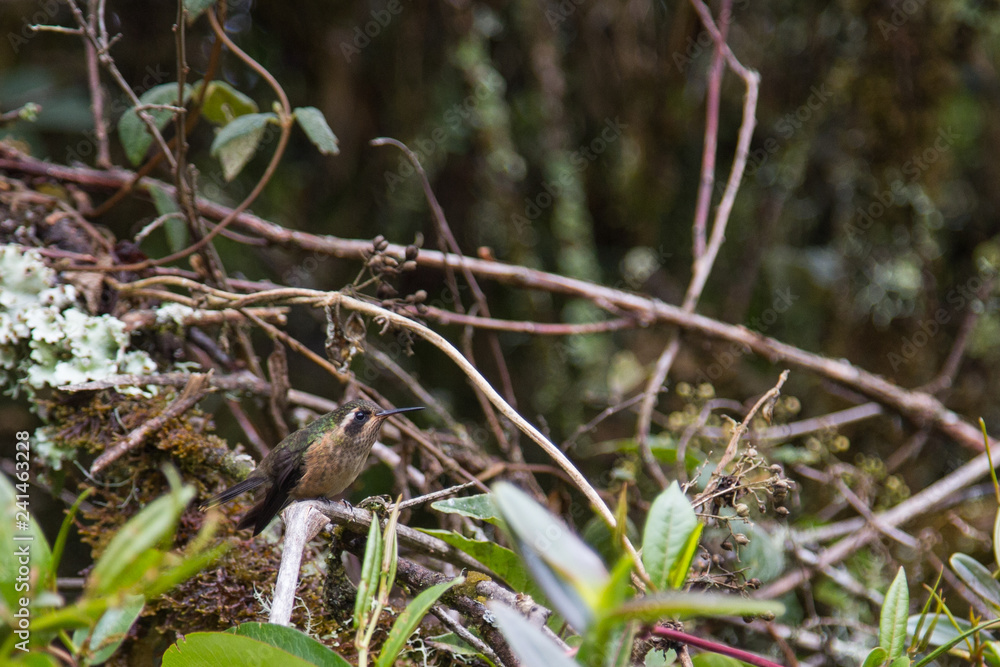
x: 976, y: 577
x: 293, y: 641
x: 532, y: 648
x: 132, y: 131
x: 875, y: 657
x: 237, y: 142
x: 677, y: 604
x: 223, y: 103
x: 480, y: 507
x: 314, y: 124
x: 222, y: 649
x: 667, y: 534
x: 500, y: 560
x: 892, y: 620
x: 408, y: 621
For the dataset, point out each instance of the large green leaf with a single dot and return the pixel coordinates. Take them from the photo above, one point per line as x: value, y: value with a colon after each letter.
x: 875, y: 657
x: 237, y: 142
x: 313, y: 123
x: 133, y: 132
x: 293, y: 641
x: 110, y: 631
x: 223, y: 103
x: 571, y: 574
x: 976, y: 577
x: 666, y: 540
x: 892, y: 620
x: 502, y: 561
x: 25, y: 548
x: 480, y: 507
x: 410, y: 619
x: 222, y: 649
x: 532, y: 648
x: 126, y: 558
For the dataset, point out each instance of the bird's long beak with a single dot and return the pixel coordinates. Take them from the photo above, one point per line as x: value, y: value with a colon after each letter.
x: 386, y: 413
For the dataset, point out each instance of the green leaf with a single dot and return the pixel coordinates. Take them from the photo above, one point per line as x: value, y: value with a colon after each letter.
x: 132, y: 131
x: 679, y: 570
x: 152, y: 526
x: 370, y: 571
x: 500, y: 560
x: 901, y: 661
x: 196, y: 8
x: 976, y: 577
x: 313, y: 123
x: 667, y: 536
x: 237, y: 142
x: 110, y: 631
x: 532, y: 648
x: 175, y: 227
x: 480, y: 507
x: 410, y: 619
x: 222, y: 649
x: 223, y: 103
x: 943, y: 631
x: 60, y: 544
x: 293, y: 641
x: 571, y: 574
x: 605, y: 634
x: 892, y: 621
x: 996, y: 539
x: 21, y: 548
x: 875, y: 657
x: 715, y: 660
x: 681, y: 604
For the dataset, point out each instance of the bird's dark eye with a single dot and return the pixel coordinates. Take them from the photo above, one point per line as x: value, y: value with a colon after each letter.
x: 360, y: 416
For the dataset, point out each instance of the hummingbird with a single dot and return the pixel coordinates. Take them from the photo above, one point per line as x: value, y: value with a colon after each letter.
x: 319, y: 460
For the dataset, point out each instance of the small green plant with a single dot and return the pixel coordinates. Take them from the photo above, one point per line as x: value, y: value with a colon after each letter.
x: 133, y: 568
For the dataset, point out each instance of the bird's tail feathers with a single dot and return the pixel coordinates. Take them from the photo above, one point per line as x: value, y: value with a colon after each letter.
x: 242, y: 487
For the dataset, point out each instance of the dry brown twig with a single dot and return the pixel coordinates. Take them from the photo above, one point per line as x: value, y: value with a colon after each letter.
x: 704, y: 256
x: 197, y: 386
x: 917, y: 406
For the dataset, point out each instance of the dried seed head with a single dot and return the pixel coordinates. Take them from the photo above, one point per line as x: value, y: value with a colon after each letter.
x: 409, y: 265
x: 742, y: 510
x: 741, y: 539
x: 782, y: 511
x: 379, y: 243
x: 412, y: 251
x: 727, y: 546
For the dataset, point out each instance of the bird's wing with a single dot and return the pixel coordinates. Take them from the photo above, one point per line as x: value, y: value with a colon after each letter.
x: 287, y: 467
x: 249, y: 483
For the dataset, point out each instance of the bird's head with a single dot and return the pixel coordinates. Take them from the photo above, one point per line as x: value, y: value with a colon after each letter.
x: 358, y: 422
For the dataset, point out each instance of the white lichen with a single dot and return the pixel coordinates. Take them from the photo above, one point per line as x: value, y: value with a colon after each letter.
x: 46, y: 341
